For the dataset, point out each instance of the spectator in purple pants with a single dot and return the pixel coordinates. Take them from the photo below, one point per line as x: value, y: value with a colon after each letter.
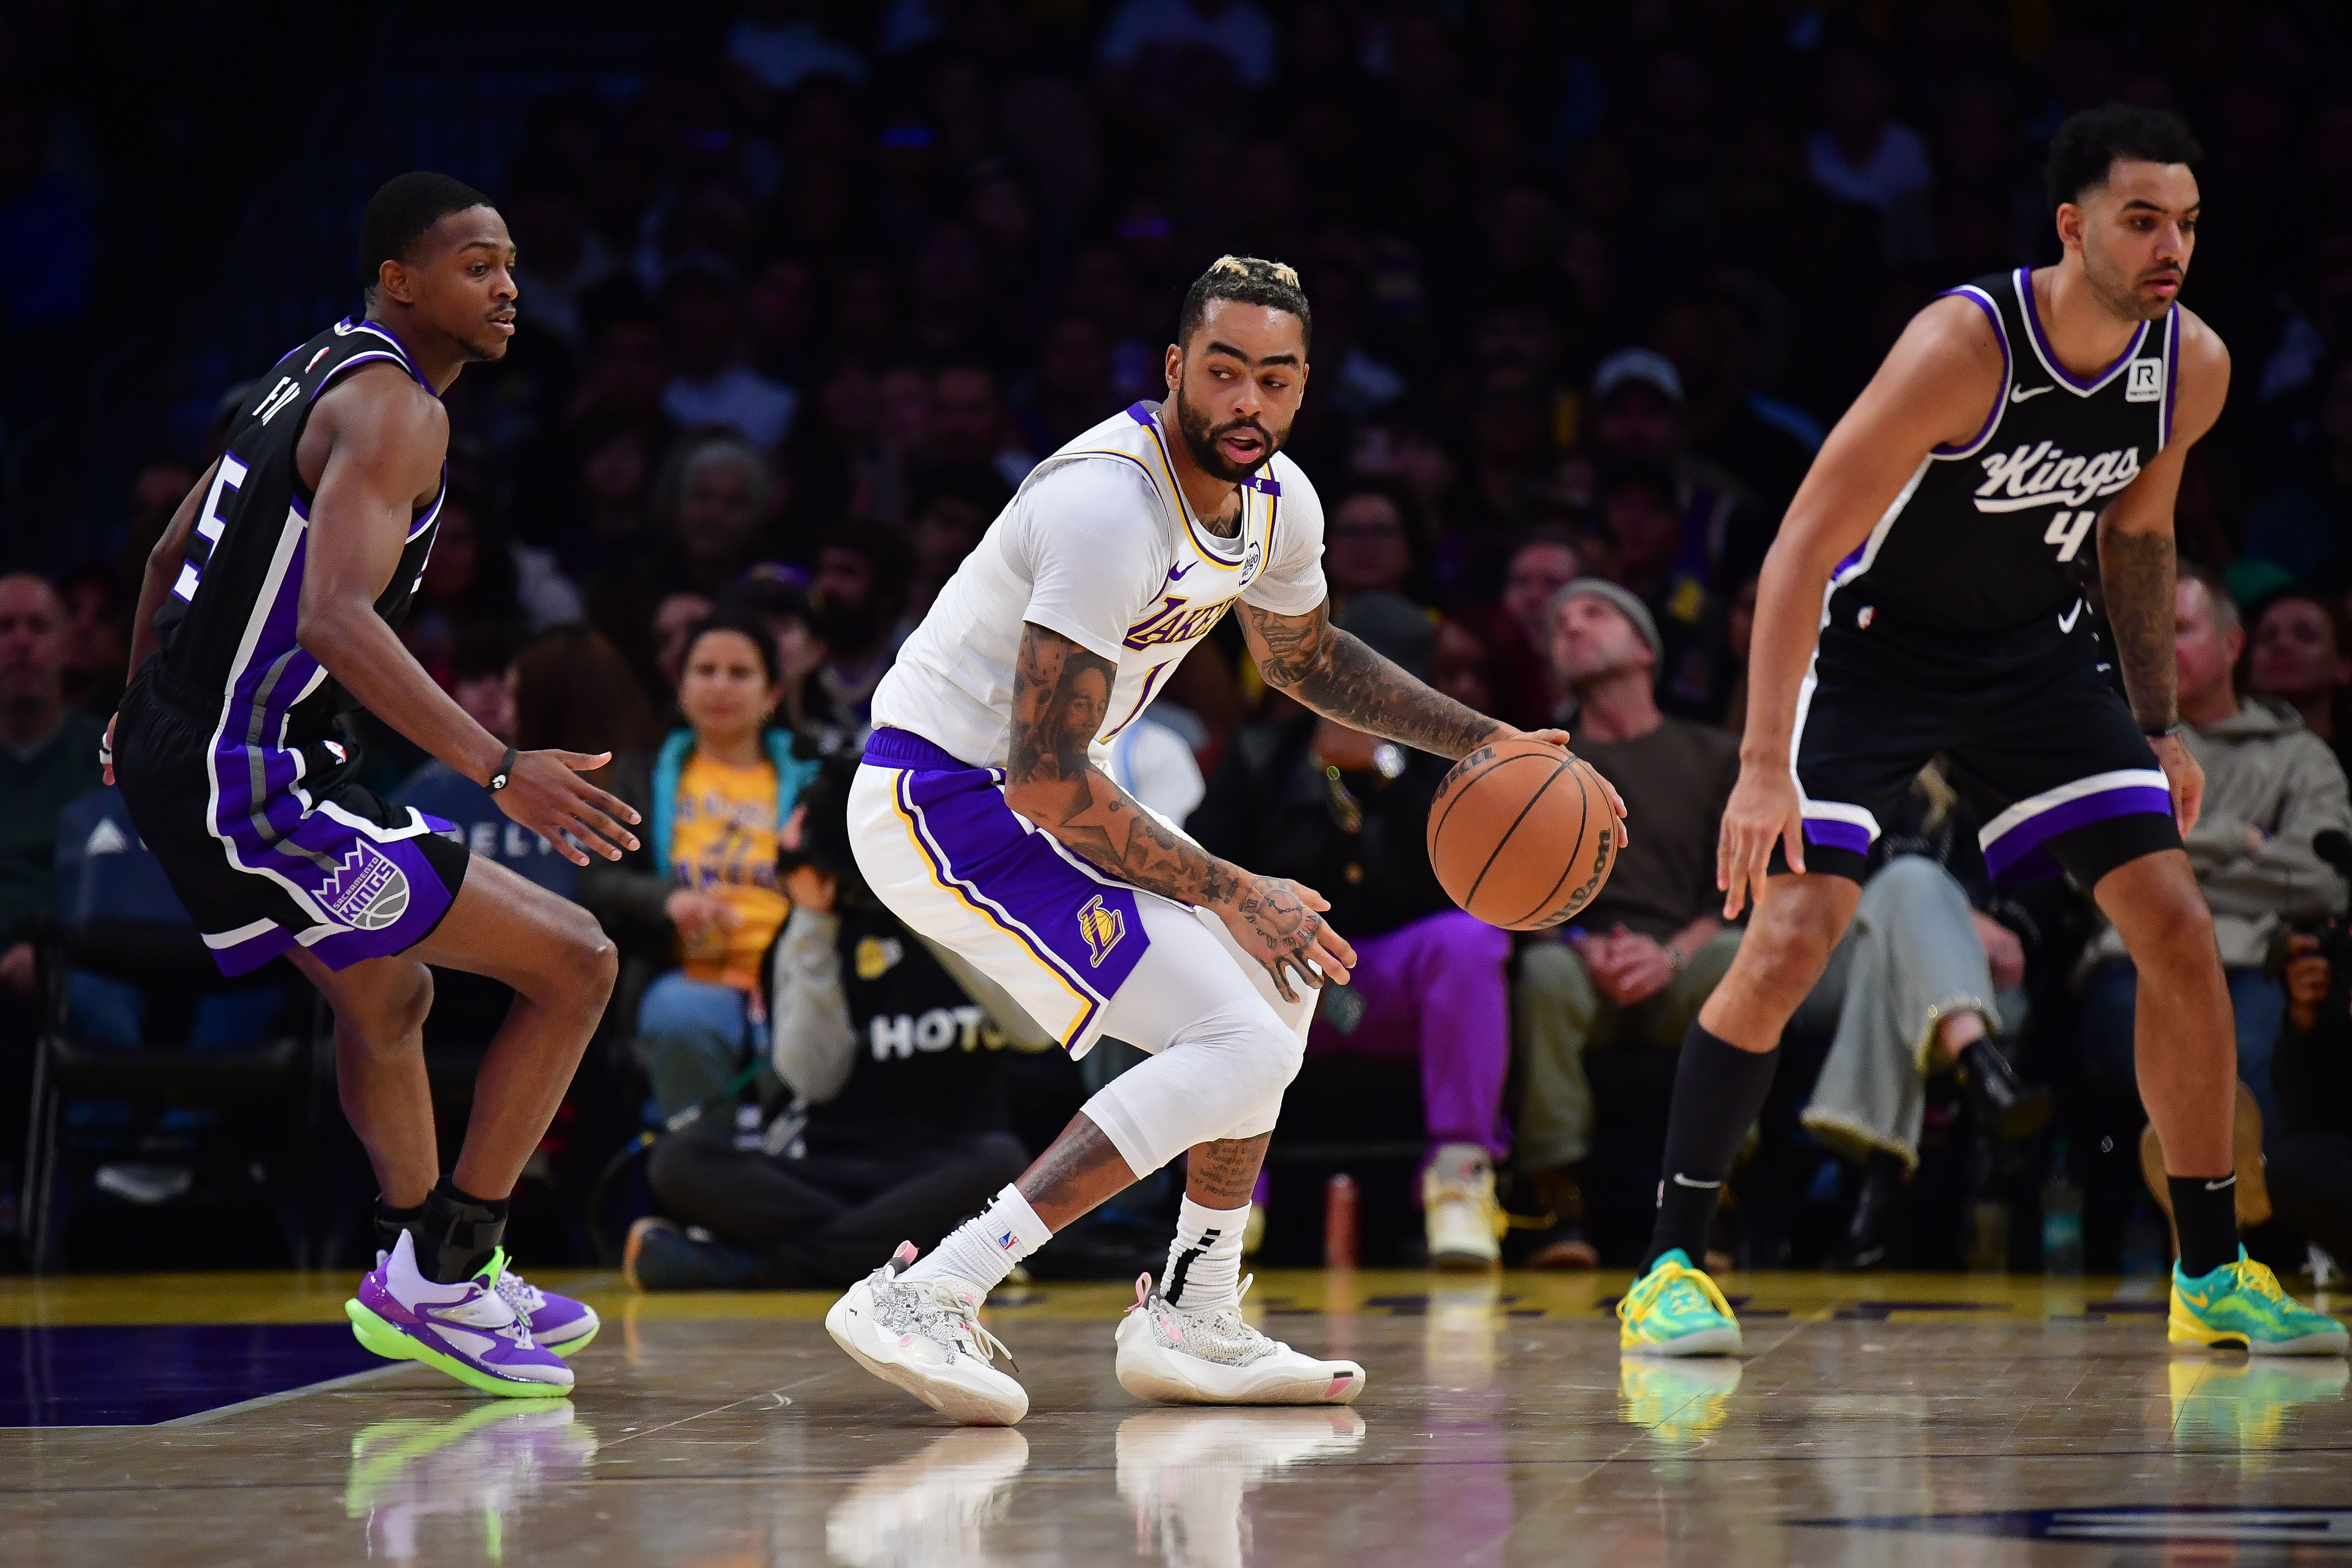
x: 1347, y: 814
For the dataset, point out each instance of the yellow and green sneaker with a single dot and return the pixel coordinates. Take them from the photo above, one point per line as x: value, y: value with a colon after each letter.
x: 1676, y: 1310
x: 2241, y: 1303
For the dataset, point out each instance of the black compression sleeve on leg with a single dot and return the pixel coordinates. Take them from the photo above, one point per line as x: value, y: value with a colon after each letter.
x: 1718, y: 1089
x: 459, y: 1233
x: 2205, y: 1212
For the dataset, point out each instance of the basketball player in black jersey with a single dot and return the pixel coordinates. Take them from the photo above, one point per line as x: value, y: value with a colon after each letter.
x: 268, y: 610
x: 1924, y: 595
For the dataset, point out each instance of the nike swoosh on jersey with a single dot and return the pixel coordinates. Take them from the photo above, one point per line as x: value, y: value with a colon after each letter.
x: 1176, y: 573
x: 2020, y: 393
x: 2067, y: 622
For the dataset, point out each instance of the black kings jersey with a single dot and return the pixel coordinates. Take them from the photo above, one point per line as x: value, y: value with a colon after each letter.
x: 1995, y: 534
x: 227, y: 625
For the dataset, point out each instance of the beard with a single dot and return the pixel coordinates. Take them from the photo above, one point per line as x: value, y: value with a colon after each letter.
x: 2118, y: 289
x: 1201, y: 441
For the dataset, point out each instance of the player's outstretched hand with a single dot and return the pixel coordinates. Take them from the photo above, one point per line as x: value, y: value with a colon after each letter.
x: 1278, y: 921
x: 1764, y: 810
x: 1560, y: 738
x: 546, y: 794
x: 2186, y: 777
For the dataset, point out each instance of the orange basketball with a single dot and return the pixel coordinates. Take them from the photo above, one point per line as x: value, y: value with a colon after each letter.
x: 1521, y: 834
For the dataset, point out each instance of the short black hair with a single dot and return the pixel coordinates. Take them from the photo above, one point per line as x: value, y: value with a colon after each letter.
x: 400, y: 213
x: 2091, y: 140
x: 1249, y: 281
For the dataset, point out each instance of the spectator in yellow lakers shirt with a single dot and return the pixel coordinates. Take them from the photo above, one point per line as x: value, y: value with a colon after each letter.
x: 703, y: 889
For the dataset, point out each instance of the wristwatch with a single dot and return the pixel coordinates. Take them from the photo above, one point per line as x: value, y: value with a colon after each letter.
x: 505, y: 770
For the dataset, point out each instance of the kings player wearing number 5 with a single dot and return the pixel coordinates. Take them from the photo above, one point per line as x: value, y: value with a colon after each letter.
x: 267, y: 614
x: 1925, y: 595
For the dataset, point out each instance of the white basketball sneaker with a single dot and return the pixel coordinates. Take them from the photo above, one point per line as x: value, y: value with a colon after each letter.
x: 1463, y: 1220
x: 1208, y: 1355
x: 925, y: 1336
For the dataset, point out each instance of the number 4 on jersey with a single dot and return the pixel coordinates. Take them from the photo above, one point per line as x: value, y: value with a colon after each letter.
x: 2067, y: 532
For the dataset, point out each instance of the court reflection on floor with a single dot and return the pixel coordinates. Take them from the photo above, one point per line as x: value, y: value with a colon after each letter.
x: 479, y: 1469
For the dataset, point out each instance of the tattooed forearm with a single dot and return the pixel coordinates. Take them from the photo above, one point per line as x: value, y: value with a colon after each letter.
x: 1060, y: 695
x: 2136, y: 572
x: 1335, y: 674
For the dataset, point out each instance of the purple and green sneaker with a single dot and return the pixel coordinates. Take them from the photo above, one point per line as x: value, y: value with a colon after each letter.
x: 558, y: 1323
x: 470, y: 1329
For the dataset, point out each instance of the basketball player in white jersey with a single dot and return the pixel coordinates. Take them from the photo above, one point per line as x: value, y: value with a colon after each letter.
x: 984, y: 819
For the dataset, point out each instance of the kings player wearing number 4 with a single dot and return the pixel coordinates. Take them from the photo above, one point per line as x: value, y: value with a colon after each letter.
x: 1925, y: 595
x: 267, y: 614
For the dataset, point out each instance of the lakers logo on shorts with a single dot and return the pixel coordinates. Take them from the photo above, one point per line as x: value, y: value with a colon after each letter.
x: 367, y: 892
x: 1102, y: 926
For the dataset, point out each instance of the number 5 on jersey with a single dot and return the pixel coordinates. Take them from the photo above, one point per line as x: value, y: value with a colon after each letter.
x: 2067, y: 530
x: 232, y: 474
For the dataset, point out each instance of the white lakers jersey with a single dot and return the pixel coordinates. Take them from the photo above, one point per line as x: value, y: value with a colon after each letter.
x: 1099, y: 545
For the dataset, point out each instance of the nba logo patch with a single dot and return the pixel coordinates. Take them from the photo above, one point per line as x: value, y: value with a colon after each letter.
x: 2144, y: 381
x: 1102, y: 926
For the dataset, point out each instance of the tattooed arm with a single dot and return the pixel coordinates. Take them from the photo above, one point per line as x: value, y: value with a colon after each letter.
x: 2135, y: 564
x: 1060, y: 692
x: 1335, y: 674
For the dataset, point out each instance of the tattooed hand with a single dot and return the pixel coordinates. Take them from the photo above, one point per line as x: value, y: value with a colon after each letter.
x: 1278, y: 922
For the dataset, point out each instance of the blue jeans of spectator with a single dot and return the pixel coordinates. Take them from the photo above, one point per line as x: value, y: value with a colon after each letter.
x: 693, y: 1037
x: 2258, y: 1004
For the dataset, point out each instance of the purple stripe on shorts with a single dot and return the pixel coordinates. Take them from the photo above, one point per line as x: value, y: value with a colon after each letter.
x: 1832, y: 833
x: 1088, y: 930
x: 386, y: 896
x: 2021, y: 854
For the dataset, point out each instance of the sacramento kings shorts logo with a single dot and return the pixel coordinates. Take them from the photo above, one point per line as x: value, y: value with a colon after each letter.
x: 368, y: 892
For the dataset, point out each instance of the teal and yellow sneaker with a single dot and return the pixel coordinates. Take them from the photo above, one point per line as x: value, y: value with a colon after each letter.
x: 1676, y: 1310
x: 2241, y: 1303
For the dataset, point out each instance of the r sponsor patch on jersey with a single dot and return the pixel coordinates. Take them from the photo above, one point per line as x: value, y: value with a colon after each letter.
x: 1103, y: 927
x: 2144, y: 381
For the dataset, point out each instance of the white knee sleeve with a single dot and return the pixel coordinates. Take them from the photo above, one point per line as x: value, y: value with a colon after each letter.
x: 1223, y: 1079
x: 1224, y: 1048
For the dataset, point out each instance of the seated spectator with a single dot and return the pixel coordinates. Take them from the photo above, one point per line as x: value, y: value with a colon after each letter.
x: 857, y: 596
x: 575, y: 692
x: 471, y: 581
x: 675, y: 617
x: 49, y: 755
x: 1653, y: 560
x: 711, y: 509
x: 480, y: 678
x: 2270, y: 784
x: 1545, y: 561
x: 2310, y: 1161
x: 1640, y: 421
x: 702, y: 886
x: 1370, y: 546
x: 2297, y: 653
x: 890, y: 1128
x: 1651, y: 947
x: 97, y: 639
x: 1923, y: 978
x: 972, y: 449
x: 1346, y: 816
x: 712, y: 386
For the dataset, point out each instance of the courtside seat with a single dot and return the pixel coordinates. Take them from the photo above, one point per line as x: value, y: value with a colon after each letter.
x: 164, y: 1057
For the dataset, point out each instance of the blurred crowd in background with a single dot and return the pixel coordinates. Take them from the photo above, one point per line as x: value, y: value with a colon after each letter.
x: 806, y: 290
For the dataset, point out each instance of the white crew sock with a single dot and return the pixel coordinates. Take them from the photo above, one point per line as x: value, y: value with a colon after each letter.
x: 1204, y: 1261
x: 985, y: 1248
